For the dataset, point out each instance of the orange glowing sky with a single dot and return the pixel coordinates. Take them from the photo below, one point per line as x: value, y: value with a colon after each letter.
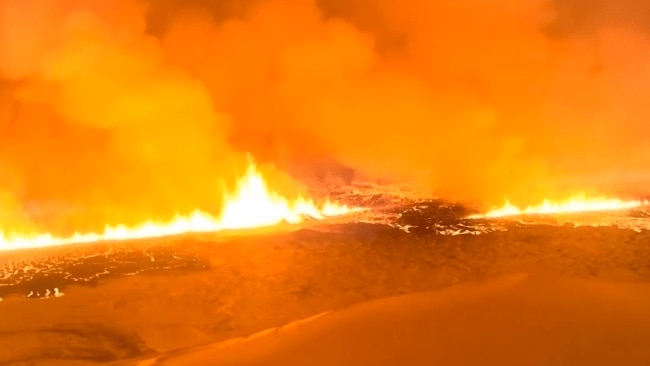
x: 119, y: 111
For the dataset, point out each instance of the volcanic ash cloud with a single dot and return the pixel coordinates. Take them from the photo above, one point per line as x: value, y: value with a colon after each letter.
x: 119, y: 111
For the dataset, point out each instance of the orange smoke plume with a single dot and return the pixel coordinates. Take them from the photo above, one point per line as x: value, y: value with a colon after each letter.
x: 121, y: 111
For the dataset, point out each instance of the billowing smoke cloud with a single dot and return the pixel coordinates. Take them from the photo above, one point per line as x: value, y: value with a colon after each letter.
x: 123, y: 110
x: 98, y: 123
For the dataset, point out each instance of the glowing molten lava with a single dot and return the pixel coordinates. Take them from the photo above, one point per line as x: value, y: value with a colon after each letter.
x: 577, y: 204
x: 253, y: 205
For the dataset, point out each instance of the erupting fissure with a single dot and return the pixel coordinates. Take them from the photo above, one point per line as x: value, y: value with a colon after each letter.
x: 579, y: 203
x: 252, y: 205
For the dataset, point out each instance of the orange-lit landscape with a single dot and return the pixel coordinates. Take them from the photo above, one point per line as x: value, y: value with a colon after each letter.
x: 322, y: 182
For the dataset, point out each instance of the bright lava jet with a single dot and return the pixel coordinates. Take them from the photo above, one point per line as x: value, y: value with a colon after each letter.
x: 577, y: 204
x: 253, y: 205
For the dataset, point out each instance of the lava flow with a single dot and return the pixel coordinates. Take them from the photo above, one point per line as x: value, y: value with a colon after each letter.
x: 253, y: 205
x: 577, y: 204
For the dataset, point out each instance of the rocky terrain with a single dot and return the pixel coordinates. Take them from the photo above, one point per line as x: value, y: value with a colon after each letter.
x: 131, y: 299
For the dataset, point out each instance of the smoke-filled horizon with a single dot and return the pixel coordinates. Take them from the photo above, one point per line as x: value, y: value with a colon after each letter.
x: 122, y: 110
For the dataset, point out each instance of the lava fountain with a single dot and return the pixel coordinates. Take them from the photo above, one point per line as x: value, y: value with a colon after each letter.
x: 252, y: 205
x: 577, y: 204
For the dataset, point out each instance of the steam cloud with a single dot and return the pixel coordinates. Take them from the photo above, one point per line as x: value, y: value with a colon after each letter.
x: 122, y: 110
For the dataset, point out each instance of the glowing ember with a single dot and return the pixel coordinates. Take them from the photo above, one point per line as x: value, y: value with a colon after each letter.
x: 253, y: 205
x: 577, y: 204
